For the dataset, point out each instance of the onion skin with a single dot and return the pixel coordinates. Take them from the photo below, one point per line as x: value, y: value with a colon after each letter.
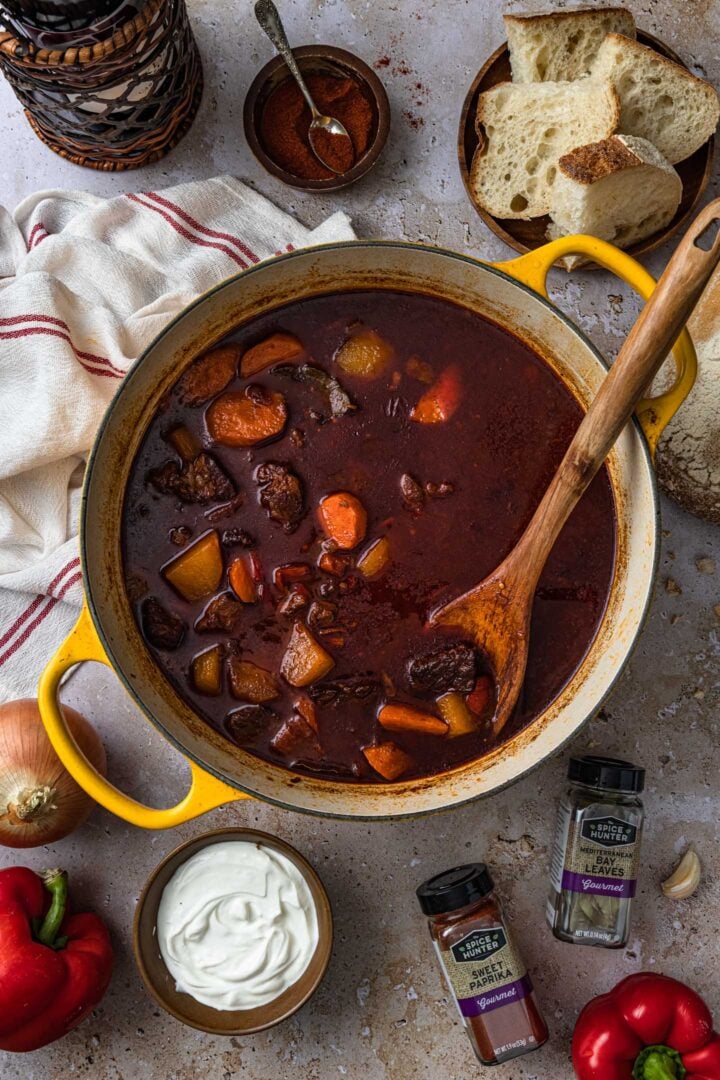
x: 39, y: 800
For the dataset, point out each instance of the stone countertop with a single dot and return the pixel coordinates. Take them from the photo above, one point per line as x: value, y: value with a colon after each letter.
x: 382, y: 1012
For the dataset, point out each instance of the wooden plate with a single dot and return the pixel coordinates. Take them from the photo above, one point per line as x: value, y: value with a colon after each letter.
x: 527, y: 235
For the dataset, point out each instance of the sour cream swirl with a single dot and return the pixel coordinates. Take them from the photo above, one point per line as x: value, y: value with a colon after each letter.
x: 237, y: 925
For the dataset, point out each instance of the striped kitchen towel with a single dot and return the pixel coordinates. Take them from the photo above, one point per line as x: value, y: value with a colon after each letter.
x: 85, y: 285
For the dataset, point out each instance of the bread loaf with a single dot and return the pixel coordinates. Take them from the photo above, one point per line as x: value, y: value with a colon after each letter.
x: 561, y: 45
x: 659, y: 100
x: 524, y: 129
x: 621, y: 189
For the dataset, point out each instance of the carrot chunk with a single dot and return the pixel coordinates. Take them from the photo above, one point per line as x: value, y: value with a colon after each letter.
x: 480, y: 696
x: 244, y: 419
x: 250, y: 682
x: 241, y: 581
x: 440, y: 400
x: 375, y: 558
x: 197, y: 571
x: 405, y: 718
x: 388, y: 760
x: 210, y: 374
x: 343, y: 518
x: 364, y: 354
x: 206, y: 671
x: 457, y: 715
x: 277, y: 349
x: 305, y: 660
x: 184, y: 443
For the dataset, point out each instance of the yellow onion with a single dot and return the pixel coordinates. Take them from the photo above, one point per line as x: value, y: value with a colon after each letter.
x: 39, y: 800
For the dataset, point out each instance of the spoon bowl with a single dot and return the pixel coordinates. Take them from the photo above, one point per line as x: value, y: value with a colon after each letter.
x: 327, y: 136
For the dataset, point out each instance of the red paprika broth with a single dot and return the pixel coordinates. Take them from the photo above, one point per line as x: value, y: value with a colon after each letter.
x: 446, y: 431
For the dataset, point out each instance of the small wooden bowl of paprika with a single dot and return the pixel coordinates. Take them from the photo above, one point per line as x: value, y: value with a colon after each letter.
x: 277, y: 119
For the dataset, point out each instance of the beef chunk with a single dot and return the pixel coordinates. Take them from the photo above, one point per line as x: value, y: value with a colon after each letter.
x: 322, y: 613
x: 237, y: 538
x: 222, y: 613
x: 163, y: 629
x: 199, y: 481
x: 248, y: 723
x: 180, y: 535
x: 412, y: 492
x: 452, y: 667
x: 296, y: 739
x: 337, y: 691
x: 297, y: 599
x: 281, y: 494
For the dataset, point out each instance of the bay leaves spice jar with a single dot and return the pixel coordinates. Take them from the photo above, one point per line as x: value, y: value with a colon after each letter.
x: 484, y: 970
x: 596, y: 855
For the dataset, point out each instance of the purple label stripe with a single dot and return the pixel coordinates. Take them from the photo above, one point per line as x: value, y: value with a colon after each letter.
x: 495, y: 999
x: 624, y: 888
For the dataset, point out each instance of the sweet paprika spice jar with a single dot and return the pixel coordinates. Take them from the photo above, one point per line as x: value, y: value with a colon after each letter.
x: 483, y: 968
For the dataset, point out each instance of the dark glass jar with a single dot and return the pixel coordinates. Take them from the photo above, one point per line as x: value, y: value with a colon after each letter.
x: 596, y: 855
x: 483, y: 968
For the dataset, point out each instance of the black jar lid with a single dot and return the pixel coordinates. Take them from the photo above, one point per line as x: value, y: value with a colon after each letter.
x: 455, y: 888
x: 612, y: 774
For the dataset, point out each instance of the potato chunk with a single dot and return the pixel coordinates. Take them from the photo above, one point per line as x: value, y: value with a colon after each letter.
x: 196, y: 571
x: 460, y: 720
x: 375, y: 558
x: 248, y: 682
x: 364, y: 353
x: 247, y: 418
x: 305, y: 660
x: 206, y: 671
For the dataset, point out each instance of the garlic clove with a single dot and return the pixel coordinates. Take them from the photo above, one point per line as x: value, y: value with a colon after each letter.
x: 685, y: 878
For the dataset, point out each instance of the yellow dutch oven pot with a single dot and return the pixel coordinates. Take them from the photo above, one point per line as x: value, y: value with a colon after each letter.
x: 512, y: 294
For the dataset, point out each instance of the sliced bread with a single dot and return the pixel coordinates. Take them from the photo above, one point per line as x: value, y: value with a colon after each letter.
x: 660, y: 100
x: 561, y: 45
x: 524, y: 129
x: 621, y: 189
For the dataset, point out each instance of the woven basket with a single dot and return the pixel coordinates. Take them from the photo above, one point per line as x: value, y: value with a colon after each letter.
x: 118, y: 104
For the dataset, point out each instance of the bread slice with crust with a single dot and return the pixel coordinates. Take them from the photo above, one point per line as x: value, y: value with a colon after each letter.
x: 560, y: 46
x: 621, y: 189
x: 659, y: 99
x: 524, y: 129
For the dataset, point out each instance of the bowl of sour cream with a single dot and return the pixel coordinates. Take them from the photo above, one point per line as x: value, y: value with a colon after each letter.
x: 233, y: 932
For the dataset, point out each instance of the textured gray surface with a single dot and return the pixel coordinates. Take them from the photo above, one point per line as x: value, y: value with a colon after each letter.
x: 382, y: 1011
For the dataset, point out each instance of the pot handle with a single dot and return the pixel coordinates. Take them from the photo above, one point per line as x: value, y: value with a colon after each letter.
x: 206, y: 792
x: 654, y: 413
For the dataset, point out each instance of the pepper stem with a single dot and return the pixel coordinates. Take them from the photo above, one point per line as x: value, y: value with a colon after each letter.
x: 659, y: 1063
x: 56, y: 883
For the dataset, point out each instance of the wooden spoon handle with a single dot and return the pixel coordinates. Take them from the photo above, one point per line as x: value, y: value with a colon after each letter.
x: 647, y: 345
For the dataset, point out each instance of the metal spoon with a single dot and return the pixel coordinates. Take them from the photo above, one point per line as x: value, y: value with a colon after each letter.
x: 267, y: 15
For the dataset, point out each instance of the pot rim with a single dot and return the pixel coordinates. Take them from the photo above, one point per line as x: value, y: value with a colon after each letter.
x: 127, y: 382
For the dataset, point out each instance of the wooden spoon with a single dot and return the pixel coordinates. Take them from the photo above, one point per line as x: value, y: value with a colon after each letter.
x: 496, y: 613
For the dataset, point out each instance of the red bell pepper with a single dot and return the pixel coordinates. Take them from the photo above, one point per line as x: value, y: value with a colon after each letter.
x: 54, y: 967
x: 650, y: 1027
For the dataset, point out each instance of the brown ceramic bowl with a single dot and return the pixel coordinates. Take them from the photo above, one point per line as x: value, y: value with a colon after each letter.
x: 527, y: 235
x: 317, y: 59
x: 160, y: 983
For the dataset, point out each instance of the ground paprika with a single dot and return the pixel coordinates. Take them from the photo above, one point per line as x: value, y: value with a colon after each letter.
x: 285, y: 124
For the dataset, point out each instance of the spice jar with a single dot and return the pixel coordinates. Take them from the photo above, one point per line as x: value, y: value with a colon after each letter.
x: 596, y: 854
x: 483, y: 968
